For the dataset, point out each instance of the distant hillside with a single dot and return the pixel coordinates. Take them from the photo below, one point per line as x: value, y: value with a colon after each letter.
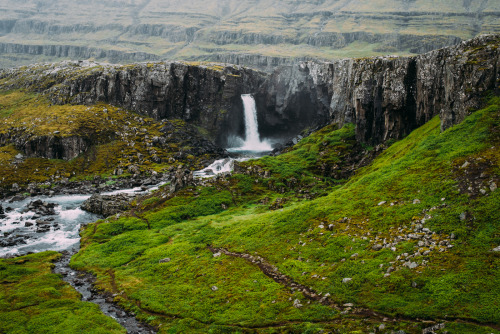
x: 258, y: 32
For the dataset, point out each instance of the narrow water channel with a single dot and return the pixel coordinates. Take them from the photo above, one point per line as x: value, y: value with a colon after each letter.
x: 42, y: 223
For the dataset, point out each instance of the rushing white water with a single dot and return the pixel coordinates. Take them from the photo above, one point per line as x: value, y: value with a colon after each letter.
x: 252, y: 141
x: 217, y: 167
x: 29, y: 232
x: 62, y: 228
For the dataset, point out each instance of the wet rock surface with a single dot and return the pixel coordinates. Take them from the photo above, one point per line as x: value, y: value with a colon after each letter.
x: 41, y: 208
x: 13, y: 239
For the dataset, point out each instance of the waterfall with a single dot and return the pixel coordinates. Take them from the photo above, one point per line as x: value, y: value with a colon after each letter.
x: 252, y: 141
x: 249, y: 148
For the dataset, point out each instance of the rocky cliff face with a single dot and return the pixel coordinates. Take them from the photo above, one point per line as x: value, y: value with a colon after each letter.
x: 208, y: 96
x: 386, y: 97
x: 50, y: 146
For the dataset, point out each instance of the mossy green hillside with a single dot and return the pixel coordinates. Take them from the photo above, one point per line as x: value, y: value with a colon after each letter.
x: 34, y: 300
x: 432, y: 186
x: 117, y: 139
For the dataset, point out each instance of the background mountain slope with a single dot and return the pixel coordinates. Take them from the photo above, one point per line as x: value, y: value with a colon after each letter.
x: 238, y: 32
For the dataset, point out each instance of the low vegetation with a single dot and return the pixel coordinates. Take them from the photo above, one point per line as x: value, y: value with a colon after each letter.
x: 34, y: 300
x: 407, y: 238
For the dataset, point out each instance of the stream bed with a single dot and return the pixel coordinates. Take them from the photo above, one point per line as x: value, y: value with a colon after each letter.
x: 84, y: 283
x: 42, y: 223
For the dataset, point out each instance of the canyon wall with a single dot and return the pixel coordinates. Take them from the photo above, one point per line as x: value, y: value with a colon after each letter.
x: 205, y: 95
x: 386, y: 97
x: 76, y: 52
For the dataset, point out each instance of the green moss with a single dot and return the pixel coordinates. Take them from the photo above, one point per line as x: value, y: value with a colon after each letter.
x: 33, y: 300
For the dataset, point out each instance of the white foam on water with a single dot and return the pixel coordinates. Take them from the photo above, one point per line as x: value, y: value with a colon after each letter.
x: 217, y: 167
x: 58, y: 240
x: 9, y: 252
x: 157, y: 186
x: 63, y: 236
x: 8, y: 223
x: 68, y: 198
x: 54, y: 240
x: 69, y: 215
x: 135, y: 190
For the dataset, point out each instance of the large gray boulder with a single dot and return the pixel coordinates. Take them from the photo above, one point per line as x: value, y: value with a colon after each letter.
x: 107, y: 205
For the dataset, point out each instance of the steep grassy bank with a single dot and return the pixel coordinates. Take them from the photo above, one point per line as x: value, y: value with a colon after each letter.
x: 409, y: 237
x: 33, y: 300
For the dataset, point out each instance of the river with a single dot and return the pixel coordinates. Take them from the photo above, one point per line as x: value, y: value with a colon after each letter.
x: 42, y: 223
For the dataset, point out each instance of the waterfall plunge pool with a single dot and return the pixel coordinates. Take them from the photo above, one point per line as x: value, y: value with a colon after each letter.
x: 249, y: 148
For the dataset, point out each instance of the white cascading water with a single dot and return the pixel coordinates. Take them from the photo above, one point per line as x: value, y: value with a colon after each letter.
x: 250, y: 147
x: 252, y: 140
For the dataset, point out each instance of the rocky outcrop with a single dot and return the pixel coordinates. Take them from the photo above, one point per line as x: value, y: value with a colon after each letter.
x: 107, y: 205
x: 55, y: 147
x: 386, y: 97
x: 50, y: 146
x: 180, y: 179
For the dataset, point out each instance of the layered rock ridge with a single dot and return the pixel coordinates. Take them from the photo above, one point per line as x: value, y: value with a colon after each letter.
x: 76, y: 52
x: 204, y: 30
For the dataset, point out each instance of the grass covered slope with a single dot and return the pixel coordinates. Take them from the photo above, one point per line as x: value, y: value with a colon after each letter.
x: 33, y: 300
x: 99, y: 140
x: 408, y: 237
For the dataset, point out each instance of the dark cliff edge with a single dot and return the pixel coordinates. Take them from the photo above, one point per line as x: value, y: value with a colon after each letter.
x: 205, y: 95
x: 386, y: 97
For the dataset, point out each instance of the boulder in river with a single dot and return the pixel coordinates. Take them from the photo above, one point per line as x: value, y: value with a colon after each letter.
x: 41, y: 208
x: 107, y: 205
